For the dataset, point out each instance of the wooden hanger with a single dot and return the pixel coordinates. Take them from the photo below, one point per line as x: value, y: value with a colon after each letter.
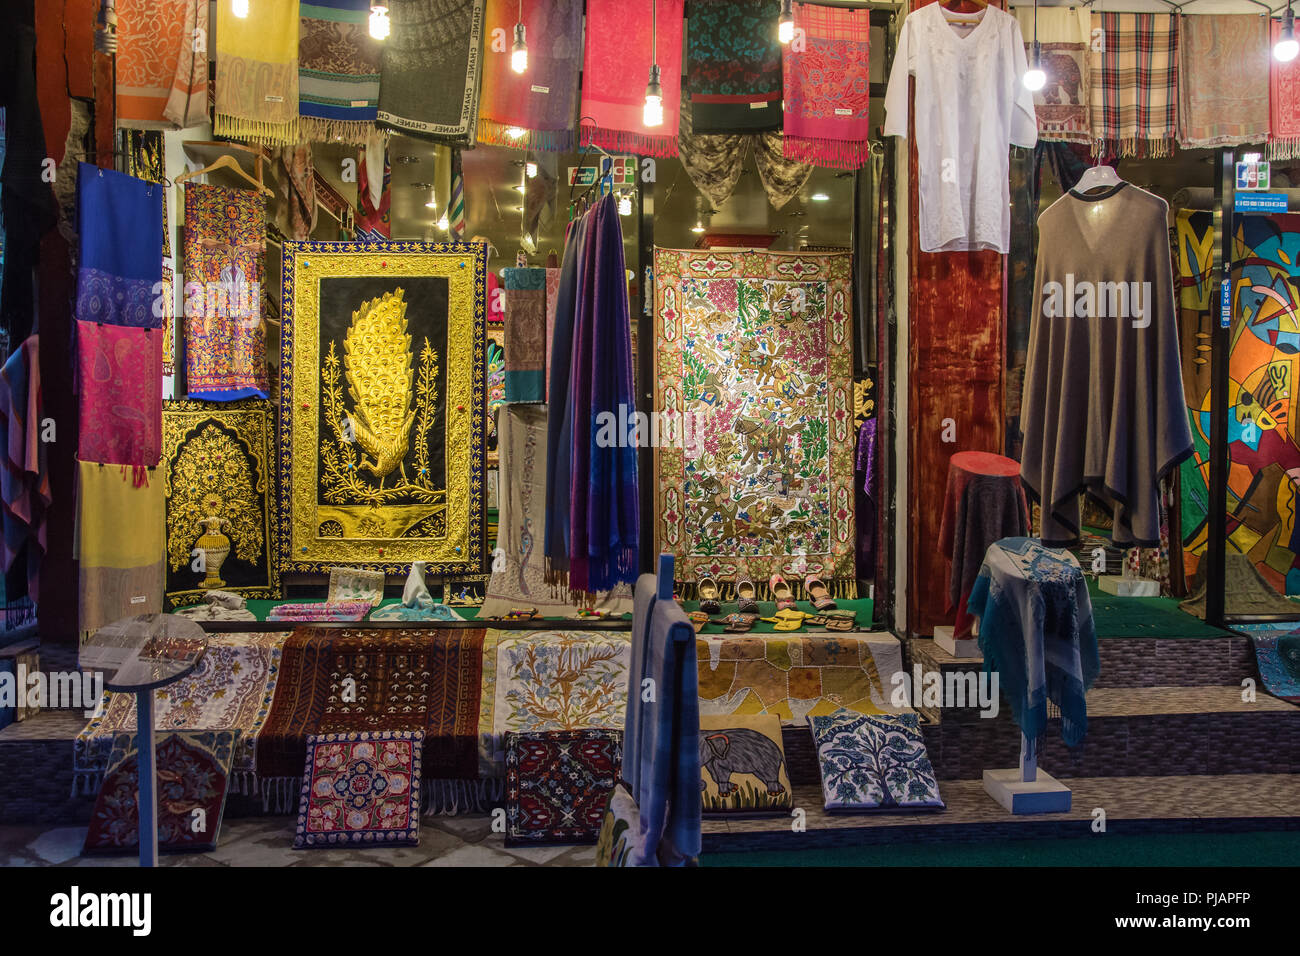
x: 978, y: 4
x: 226, y: 162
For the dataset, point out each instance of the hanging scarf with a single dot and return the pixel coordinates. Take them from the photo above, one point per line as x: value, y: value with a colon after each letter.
x: 828, y: 87
x: 714, y: 161
x: 121, y: 394
x: 1222, y: 80
x: 158, y: 86
x: 616, y: 68
x: 456, y: 208
x: 120, y: 543
x: 1061, y: 106
x: 1283, y: 104
x: 525, y: 345
x: 338, y: 71
x: 374, y: 223
x: 431, y: 69
x: 225, y: 339
x: 1135, y: 84
x: 24, y: 479
x: 298, y: 189
x: 536, y: 105
x: 733, y: 66
x: 257, y: 73
x: 121, y: 236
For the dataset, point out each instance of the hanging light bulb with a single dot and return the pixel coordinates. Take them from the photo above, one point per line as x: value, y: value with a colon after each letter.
x: 239, y: 8
x: 625, y: 205
x: 1035, y: 79
x: 530, y: 169
x: 519, y: 52
x: 785, y: 27
x: 379, y: 25
x: 1286, y: 47
x: 653, y: 113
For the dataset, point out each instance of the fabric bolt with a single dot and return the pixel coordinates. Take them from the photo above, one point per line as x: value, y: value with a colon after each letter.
x: 321, y: 611
x: 192, y: 775
x: 1283, y: 103
x: 733, y: 66
x: 623, y: 38
x: 715, y: 161
x: 962, y: 154
x: 120, y: 223
x: 360, y: 788
x: 1103, y: 407
x: 797, y: 677
x: 121, y: 394
x: 24, y: 480
x: 524, y: 692
x: 742, y: 764
x: 120, y: 543
x: 557, y: 785
x: 225, y: 336
x: 589, y: 479
x: 1134, y: 84
x: 1064, y: 37
x: 525, y: 327
x: 1037, y: 634
x: 298, y: 189
x: 338, y: 71
x: 257, y: 73
x: 827, y: 86
x: 158, y: 86
x: 374, y: 222
x: 1223, y: 70
x: 871, y: 762
x: 533, y: 110
x: 661, y: 754
x: 431, y: 67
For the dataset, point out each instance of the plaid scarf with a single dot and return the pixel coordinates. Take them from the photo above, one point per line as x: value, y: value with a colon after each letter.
x: 1061, y: 106
x: 257, y: 73
x: 1283, y: 105
x: 733, y: 66
x: 338, y: 71
x: 616, y: 67
x: 533, y: 110
x: 1135, y: 84
x: 1222, y: 78
x: 827, y: 87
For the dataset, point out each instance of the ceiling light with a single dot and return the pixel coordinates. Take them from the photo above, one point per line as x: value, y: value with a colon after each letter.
x: 1286, y: 48
x: 519, y: 52
x: 433, y: 200
x: 820, y: 197
x: 522, y: 188
x: 442, y: 223
x: 625, y: 205
x: 379, y: 25
x: 698, y: 227
x: 239, y: 8
x: 530, y: 170
x: 785, y: 29
x: 653, y: 113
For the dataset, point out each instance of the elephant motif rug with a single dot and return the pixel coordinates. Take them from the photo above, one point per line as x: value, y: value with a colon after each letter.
x: 558, y: 783
x: 874, y: 762
x: 754, y: 396
x: 742, y: 764
x: 361, y: 788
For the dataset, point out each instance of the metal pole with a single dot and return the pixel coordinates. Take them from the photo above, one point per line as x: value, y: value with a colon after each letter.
x: 147, y: 777
x: 1216, y: 536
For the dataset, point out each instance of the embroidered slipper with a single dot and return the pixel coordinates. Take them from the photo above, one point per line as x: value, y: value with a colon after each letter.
x: 840, y: 624
x: 817, y: 593
x: 746, y: 596
x: 737, y: 623
x: 698, y: 619
x: 709, y: 602
x: 781, y: 592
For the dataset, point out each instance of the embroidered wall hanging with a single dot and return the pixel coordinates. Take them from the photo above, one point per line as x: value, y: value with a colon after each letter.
x: 382, y: 405
x: 217, y: 478
x: 742, y: 764
x: 755, y: 370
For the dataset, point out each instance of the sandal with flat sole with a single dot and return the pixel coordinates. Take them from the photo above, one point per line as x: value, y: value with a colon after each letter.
x: 781, y: 592
x: 709, y: 602
x: 818, y: 593
x: 746, y: 596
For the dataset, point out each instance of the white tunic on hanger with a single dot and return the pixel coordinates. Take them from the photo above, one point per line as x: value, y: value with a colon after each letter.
x: 971, y: 106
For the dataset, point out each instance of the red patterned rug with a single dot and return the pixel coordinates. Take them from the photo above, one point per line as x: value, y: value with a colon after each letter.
x: 557, y: 785
x: 361, y: 788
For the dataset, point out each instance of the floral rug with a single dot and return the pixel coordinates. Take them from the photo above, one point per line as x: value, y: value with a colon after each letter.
x: 756, y: 374
x: 549, y: 680
x: 360, y: 788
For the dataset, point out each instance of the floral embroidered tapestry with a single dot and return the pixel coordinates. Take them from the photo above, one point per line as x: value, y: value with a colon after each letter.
x: 874, y: 762
x: 361, y: 788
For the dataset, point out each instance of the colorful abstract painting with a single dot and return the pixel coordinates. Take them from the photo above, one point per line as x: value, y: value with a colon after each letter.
x: 361, y: 788
x: 1263, y: 365
x: 558, y: 783
x: 755, y: 379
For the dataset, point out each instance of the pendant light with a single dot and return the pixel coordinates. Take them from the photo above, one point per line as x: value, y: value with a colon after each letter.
x: 653, y: 114
x: 1286, y: 48
x: 785, y: 27
x: 1035, y: 79
x: 519, y: 52
x: 239, y: 8
x: 379, y: 25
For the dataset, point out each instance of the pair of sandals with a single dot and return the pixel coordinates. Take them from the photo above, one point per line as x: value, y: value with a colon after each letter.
x: 818, y: 593
x: 711, y: 597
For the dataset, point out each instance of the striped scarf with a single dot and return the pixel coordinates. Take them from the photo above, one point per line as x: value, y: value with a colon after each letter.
x: 1135, y: 84
x: 257, y: 73
x: 338, y: 71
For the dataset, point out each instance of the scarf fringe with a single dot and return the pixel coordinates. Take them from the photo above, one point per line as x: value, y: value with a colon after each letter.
x: 449, y: 798
x: 315, y: 129
x: 243, y: 782
x: 281, y: 794
x: 827, y: 153
x: 256, y: 131
x: 1283, y: 147
x: 625, y: 141
x: 493, y: 133
x: 1134, y: 148
x: 86, y: 783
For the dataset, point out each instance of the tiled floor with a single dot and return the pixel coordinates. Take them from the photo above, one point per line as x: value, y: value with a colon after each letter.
x: 268, y: 841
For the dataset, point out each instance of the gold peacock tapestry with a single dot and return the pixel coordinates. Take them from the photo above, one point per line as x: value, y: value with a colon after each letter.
x: 218, y: 466
x: 382, y: 399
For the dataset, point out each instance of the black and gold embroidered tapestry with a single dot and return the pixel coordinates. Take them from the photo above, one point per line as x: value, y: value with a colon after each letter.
x: 381, y: 405
x: 217, y: 479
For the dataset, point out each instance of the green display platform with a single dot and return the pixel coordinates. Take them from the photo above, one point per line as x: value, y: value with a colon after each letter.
x: 1145, y: 617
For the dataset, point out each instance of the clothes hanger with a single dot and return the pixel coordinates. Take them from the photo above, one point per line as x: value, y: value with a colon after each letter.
x: 1097, y: 177
x: 959, y: 17
x: 226, y: 162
